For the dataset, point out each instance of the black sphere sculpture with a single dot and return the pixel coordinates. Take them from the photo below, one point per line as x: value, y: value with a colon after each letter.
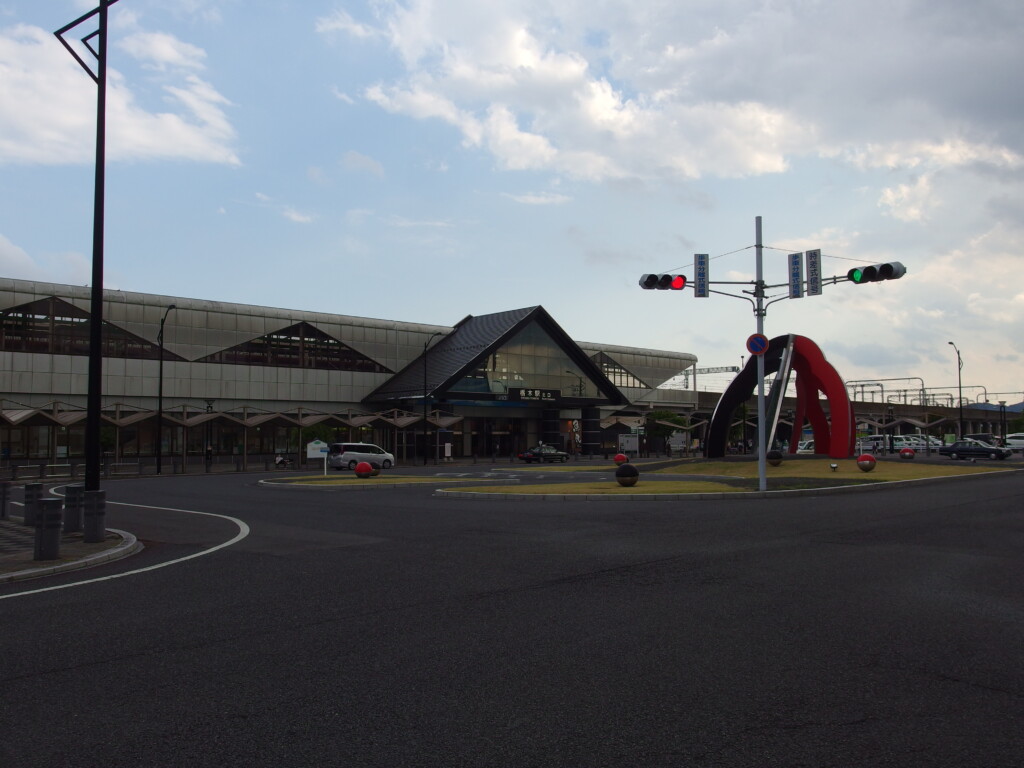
x: 627, y: 475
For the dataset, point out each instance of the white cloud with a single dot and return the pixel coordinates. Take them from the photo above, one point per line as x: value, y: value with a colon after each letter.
x: 341, y: 21
x: 296, y: 216
x: 161, y: 50
x: 909, y: 202
x: 952, y: 153
x: 356, y: 162
x: 543, y: 198
x: 47, y: 108
x: 400, y: 222
x: 16, y: 263
x: 598, y: 90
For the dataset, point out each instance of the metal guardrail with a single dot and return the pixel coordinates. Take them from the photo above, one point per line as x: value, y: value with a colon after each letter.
x: 124, y: 468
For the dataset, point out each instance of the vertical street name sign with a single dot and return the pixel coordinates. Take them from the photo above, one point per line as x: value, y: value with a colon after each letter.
x: 700, y: 279
x: 813, y: 272
x: 796, y: 276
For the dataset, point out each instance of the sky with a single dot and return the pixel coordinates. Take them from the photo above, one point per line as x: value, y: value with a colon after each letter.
x: 423, y: 161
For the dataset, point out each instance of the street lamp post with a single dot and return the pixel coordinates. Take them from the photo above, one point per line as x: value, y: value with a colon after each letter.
x: 426, y: 344
x: 160, y: 394
x: 209, y: 437
x: 1002, y: 420
x: 96, y: 42
x: 581, y: 389
x: 959, y: 386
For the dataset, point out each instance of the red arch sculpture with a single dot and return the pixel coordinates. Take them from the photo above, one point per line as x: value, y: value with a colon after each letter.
x: 814, y: 374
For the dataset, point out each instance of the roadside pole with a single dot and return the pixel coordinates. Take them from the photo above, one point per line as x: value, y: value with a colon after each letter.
x: 759, y: 311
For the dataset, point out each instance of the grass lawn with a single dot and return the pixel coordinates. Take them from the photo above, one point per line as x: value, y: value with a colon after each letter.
x: 384, y: 478
x: 682, y: 476
x: 846, y: 469
x: 699, y: 476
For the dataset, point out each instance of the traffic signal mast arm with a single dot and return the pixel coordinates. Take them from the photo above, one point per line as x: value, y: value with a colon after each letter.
x: 809, y: 261
x: 859, y: 275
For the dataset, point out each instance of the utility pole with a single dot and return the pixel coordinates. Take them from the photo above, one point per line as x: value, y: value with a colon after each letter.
x: 759, y: 312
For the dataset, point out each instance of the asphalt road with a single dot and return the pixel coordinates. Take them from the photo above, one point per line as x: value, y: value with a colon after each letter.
x: 393, y: 628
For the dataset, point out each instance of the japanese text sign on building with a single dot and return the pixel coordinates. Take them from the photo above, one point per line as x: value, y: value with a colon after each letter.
x: 542, y: 395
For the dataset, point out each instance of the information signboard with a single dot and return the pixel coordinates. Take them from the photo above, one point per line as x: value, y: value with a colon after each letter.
x: 700, y: 276
x: 813, y: 272
x: 534, y: 395
x: 796, y: 275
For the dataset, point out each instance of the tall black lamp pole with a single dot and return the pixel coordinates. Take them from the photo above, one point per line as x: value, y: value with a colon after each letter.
x: 425, y: 412
x: 160, y: 394
x: 96, y: 42
x: 959, y: 385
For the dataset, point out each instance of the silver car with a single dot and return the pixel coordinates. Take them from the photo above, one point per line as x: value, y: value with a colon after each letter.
x: 347, y: 455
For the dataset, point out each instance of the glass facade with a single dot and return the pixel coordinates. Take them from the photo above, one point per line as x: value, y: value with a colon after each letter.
x: 52, y: 326
x: 298, y: 346
x: 618, y: 375
x: 530, y: 360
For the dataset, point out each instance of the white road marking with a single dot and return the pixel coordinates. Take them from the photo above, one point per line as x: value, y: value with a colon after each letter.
x: 243, y: 531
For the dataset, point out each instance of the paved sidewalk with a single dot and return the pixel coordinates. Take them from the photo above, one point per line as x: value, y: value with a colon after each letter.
x: 17, y: 550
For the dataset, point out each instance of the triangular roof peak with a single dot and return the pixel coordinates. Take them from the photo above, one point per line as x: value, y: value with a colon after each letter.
x: 469, y: 344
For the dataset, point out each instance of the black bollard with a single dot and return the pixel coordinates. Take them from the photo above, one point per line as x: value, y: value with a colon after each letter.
x: 48, y: 522
x: 95, y: 507
x: 5, y: 495
x: 33, y: 493
x: 73, y: 508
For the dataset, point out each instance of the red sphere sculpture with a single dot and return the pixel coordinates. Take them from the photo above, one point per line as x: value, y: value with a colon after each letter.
x: 866, y: 462
x: 621, y: 458
x: 363, y: 469
x: 906, y: 453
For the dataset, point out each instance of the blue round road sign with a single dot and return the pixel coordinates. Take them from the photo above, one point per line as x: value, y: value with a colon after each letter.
x: 757, y: 344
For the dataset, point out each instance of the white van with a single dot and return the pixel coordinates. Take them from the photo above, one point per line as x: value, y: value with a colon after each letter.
x: 347, y: 455
x: 1015, y: 442
x: 880, y: 443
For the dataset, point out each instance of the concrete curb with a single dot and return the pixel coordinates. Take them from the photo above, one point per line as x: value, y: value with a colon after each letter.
x: 374, y: 486
x: 129, y: 546
x: 718, y: 496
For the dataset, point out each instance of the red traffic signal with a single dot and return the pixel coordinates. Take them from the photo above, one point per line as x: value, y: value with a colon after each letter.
x: 663, y: 282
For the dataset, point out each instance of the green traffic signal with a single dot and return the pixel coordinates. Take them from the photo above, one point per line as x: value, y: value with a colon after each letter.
x: 892, y: 270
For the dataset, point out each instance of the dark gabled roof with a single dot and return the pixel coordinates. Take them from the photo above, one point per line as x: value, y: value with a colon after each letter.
x: 472, y: 340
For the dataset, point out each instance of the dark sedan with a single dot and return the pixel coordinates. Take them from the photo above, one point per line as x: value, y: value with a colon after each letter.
x: 974, y: 449
x: 543, y: 453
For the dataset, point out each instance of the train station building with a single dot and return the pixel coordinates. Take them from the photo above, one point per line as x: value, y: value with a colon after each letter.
x: 248, y: 381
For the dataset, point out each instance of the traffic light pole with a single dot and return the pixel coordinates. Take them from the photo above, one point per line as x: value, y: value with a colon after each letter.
x: 871, y: 274
x: 759, y: 312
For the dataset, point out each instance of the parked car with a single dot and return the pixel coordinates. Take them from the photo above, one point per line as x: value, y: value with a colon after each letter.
x: 922, y: 443
x: 1015, y: 442
x: 985, y: 437
x: 882, y: 443
x: 542, y: 453
x: 805, y: 446
x: 347, y: 455
x: 974, y: 449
